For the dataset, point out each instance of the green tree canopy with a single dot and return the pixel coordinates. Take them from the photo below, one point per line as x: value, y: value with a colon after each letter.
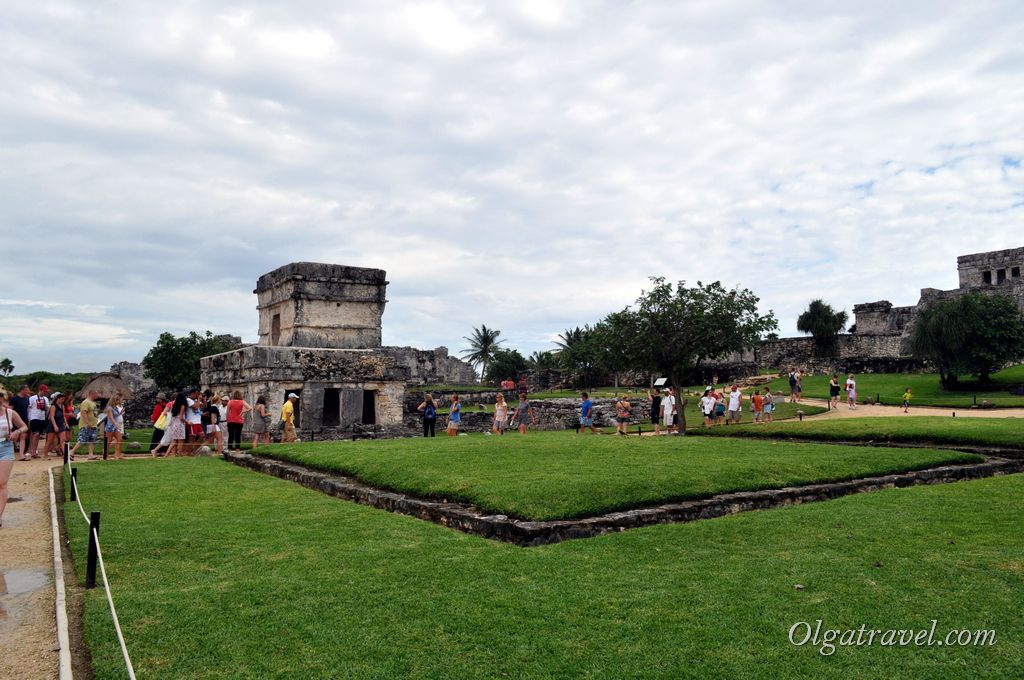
x: 824, y: 324
x: 505, y: 363
x: 971, y: 334
x: 6, y: 366
x: 174, y: 361
x: 483, y: 343
x: 541, y: 361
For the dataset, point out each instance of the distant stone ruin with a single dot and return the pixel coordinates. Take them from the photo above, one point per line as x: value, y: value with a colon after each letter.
x: 320, y: 337
x: 879, y: 340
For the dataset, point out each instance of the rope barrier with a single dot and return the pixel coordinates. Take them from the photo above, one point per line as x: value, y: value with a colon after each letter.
x: 106, y: 584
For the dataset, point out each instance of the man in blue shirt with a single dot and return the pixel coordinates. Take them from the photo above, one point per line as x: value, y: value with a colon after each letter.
x: 587, y: 415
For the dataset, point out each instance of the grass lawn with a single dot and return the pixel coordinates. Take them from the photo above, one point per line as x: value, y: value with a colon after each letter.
x: 219, y: 572
x: 890, y: 386
x: 1002, y: 432
x: 560, y: 475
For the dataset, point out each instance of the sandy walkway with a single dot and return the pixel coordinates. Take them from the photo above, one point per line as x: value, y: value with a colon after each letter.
x: 865, y: 410
x: 28, y: 635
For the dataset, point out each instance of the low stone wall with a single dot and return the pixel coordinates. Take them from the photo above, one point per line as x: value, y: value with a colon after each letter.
x: 857, y: 354
x: 466, y: 518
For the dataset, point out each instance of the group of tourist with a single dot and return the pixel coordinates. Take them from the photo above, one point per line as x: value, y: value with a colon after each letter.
x: 520, y: 417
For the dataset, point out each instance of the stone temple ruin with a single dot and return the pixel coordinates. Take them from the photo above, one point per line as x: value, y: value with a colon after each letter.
x: 320, y: 337
x: 879, y: 340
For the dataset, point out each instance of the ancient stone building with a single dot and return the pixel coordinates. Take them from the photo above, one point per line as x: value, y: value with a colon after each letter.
x: 320, y: 337
x: 879, y: 339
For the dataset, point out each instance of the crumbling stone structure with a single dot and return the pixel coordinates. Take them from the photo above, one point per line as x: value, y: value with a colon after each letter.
x: 320, y: 337
x: 879, y: 340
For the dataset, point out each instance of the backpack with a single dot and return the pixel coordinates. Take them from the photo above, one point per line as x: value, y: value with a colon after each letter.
x: 429, y: 412
x: 792, y: 378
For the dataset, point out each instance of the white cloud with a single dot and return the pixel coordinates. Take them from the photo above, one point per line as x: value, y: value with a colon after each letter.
x: 524, y: 165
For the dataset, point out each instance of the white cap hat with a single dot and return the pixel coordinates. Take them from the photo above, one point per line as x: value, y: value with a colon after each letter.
x: 292, y: 395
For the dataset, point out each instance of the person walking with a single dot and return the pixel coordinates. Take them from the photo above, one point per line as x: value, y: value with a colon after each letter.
x: 154, y: 417
x: 288, y: 419
x: 500, y: 421
x: 454, y: 417
x: 792, y: 385
x: 177, y: 431
x: 87, y: 424
x: 56, y: 425
x: 757, y: 407
x: 237, y: 408
x: 19, y: 402
x: 12, y: 429
x: 586, y: 414
x: 907, y: 396
x: 214, y: 427
x: 769, y: 405
x: 735, y: 405
x: 851, y: 392
x: 161, y: 424
x: 719, y: 408
x: 114, y: 426
x: 70, y: 419
x: 260, y: 422
x: 833, y: 393
x: 799, y: 385
x: 668, y: 411
x: 655, y: 397
x: 523, y: 413
x: 707, y: 407
x: 622, y: 412
x: 428, y: 410
x: 38, y: 407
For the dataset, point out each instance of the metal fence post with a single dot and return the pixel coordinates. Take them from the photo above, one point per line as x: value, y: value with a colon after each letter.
x: 67, y: 452
x: 90, y: 566
x: 74, y: 484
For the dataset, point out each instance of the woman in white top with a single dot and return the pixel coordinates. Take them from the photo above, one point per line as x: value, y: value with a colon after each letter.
x: 707, y: 408
x: 500, y: 415
x: 12, y: 428
x: 851, y: 392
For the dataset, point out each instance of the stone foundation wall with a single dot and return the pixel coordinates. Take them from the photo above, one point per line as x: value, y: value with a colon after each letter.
x: 857, y: 354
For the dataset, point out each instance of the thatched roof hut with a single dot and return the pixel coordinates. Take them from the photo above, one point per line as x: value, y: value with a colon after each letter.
x: 106, y: 385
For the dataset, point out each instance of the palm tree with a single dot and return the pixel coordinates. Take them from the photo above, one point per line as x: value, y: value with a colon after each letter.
x: 482, y: 345
x: 539, y: 361
x: 6, y: 367
x: 824, y: 324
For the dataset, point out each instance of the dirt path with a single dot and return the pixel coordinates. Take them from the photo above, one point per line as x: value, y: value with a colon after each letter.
x: 28, y: 635
x: 869, y: 410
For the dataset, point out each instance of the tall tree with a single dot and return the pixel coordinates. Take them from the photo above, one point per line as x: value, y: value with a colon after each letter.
x: 541, y: 361
x: 174, y: 362
x: 482, y: 345
x: 678, y: 327
x: 612, y: 341
x: 824, y: 324
x: 6, y: 367
x: 971, y: 334
x: 577, y: 352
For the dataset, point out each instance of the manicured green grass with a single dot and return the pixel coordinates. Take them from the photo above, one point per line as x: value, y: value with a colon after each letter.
x: 557, y: 475
x: 999, y: 432
x: 890, y: 386
x: 219, y: 572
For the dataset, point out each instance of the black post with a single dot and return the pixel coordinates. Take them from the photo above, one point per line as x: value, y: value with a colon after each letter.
x: 67, y: 452
x: 106, y: 440
x: 878, y: 398
x: 639, y: 430
x: 90, y: 566
x: 975, y: 399
x: 74, y: 484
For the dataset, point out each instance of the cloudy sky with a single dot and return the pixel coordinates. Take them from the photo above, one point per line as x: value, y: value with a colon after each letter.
x: 521, y: 164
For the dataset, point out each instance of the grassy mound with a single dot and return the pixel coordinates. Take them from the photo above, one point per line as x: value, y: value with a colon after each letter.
x: 559, y: 475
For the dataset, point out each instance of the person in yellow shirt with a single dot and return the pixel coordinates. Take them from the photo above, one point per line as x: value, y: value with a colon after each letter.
x: 87, y: 422
x: 907, y: 396
x: 288, y: 418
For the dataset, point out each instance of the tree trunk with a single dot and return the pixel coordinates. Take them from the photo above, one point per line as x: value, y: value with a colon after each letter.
x: 616, y: 374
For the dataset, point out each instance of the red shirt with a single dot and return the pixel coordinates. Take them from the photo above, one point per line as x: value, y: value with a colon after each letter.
x: 235, y: 407
x: 758, y: 402
x: 158, y: 410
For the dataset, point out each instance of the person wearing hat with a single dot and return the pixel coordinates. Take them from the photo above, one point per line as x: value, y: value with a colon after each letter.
x: 288, y: 418
x: 158, y: 410
x: 38, y: 407
x: 668, y: 411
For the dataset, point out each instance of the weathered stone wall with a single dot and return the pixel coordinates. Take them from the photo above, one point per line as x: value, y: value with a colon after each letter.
x: 431, y: 367
x: 133, y: 375
x: 857, y: 354
x: 321, y: 305
x: 1000, y: 265
x: 881, y: 318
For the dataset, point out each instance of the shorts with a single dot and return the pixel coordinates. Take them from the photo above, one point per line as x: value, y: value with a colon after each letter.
x: 87, y: 435
x: 210, y: 429
x: 37, y: 426
x: 735, y: 414
x: 500, y: 425
x: 719, y: 411
x: 622, y: 419
x: 50, y: 429
x: 834, y: 392
x: 6, y: 451
x: 521, y: 421
x: 194, y: 429
x: 906, y: 404
x: 768, y: 408
x: 668, y: 419
x: 453, y: 424
x: 586, y: 422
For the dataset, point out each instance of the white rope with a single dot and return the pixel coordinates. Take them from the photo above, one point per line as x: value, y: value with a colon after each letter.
x: 106, y: 584
x: 113, y: 612
x: 63, y: 638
